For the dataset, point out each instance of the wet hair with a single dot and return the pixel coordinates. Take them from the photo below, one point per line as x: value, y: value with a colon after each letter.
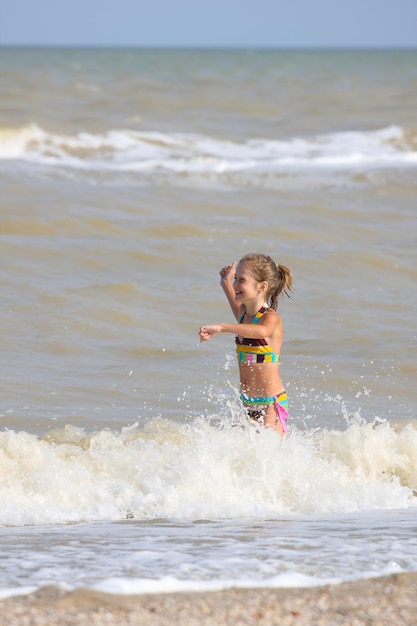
x: 278, y: 277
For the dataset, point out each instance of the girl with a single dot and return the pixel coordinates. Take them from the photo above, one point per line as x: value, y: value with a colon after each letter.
x: 252, y: 288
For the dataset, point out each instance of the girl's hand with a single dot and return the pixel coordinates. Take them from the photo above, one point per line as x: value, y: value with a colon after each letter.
x: 227, y: 273
x: 208, y: 332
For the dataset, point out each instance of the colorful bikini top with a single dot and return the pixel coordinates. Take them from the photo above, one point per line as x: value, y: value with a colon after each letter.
x: 255, y: 350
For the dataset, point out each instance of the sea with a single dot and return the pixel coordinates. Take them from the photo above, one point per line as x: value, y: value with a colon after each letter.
x: 128, y: 179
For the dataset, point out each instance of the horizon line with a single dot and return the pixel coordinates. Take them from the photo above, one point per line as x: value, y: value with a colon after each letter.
x: 240, y: 47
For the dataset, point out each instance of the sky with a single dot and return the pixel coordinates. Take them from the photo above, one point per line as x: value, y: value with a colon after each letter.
x: 210, y: 23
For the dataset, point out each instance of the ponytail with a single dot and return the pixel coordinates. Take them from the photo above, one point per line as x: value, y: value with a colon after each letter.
x: 284, y: 285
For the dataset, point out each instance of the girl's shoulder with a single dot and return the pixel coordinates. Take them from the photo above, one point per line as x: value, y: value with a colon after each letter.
x: 271, y: 316
x: 272, y: 313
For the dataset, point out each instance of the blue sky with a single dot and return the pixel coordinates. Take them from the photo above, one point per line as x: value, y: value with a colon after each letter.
x: 218, y: 23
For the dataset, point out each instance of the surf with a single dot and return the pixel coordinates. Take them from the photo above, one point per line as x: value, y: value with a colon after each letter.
x: 204, y: 470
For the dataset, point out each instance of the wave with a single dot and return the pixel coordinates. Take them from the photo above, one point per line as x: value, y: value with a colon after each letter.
x: 203, y: 470
x: 179, y: 154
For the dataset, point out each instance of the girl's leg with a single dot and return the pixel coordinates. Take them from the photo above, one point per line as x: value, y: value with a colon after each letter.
x: 271, y: 419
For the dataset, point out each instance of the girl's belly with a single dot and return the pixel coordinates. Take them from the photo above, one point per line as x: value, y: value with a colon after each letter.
x: 260, y: 379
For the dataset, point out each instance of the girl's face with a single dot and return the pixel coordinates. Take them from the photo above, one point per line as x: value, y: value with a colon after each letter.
x: 245, y: 286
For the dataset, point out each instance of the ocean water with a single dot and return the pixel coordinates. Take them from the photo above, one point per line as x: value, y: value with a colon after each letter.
x: 128, y: 179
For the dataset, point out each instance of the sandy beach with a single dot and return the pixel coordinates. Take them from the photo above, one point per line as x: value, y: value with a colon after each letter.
x: 387, y: 601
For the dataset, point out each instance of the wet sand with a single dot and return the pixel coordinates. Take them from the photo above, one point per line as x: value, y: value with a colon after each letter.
x: 388, y: 601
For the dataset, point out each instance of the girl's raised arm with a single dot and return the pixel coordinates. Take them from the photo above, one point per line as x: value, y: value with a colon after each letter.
x: 227, y: 275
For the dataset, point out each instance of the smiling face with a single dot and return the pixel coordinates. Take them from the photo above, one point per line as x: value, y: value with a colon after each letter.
x: 247, y: 290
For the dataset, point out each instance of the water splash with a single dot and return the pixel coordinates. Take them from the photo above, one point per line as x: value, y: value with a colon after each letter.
x: 205, y: 469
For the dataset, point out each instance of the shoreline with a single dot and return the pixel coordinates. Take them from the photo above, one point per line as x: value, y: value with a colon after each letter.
x: 380, y: 601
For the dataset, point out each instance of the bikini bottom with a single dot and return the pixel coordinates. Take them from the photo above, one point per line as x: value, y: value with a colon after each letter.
x: 256, y: 407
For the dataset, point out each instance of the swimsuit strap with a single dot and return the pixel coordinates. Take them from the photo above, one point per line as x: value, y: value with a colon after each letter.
x: 264, y: 308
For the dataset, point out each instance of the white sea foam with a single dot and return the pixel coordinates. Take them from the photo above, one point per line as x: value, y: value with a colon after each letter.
x: 202, y: 471
x: 169, y: 584
x: 167, y: 556
x: 127, y: 150
x: 11, y: 592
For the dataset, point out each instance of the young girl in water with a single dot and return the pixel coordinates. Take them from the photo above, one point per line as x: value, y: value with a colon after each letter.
x: 252, y: 288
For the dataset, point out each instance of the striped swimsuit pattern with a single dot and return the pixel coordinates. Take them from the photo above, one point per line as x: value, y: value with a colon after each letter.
x: 255, y: 350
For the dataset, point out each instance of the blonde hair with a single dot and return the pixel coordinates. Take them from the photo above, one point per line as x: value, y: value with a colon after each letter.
x: 278, y: 277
